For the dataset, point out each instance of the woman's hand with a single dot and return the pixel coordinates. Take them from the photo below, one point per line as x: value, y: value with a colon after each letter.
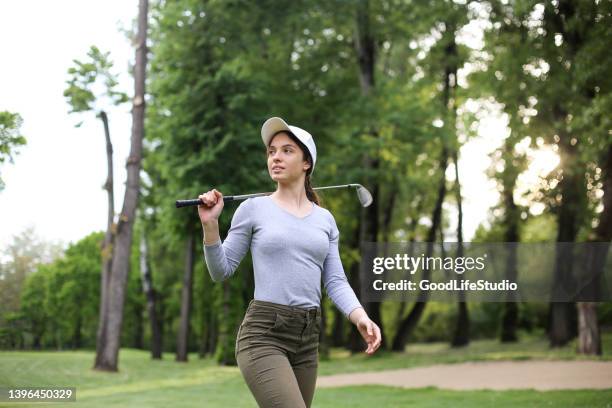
x: 370, y: 333
x: 212, y: 207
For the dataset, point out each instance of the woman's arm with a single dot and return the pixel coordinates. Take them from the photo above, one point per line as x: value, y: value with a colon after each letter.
x: 210, y: 230
x: 343, y: 295
x: 356, y: 315
x: 223, y: 258
x: 334, y: 279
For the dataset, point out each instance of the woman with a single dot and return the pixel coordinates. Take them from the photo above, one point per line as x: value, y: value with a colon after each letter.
x: 294, y: 243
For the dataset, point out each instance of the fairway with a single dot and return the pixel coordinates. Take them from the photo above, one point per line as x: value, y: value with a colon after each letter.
x: 201, y: 383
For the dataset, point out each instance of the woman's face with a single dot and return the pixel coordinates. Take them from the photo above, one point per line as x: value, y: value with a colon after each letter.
x: 285, y: 159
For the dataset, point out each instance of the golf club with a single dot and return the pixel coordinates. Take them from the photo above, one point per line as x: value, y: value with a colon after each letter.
x: 365, y: 198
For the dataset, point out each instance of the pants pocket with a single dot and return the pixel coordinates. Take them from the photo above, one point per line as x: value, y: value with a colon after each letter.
x: 257, y: 324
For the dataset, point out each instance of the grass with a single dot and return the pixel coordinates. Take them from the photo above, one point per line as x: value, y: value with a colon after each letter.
x: 201, y: 383
x: 530, y: 347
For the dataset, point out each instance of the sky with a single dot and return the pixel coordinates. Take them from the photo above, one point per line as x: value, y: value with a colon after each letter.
x: 55, y: 182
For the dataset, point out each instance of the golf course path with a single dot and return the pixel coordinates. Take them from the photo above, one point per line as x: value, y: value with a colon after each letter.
x: 494, y: 375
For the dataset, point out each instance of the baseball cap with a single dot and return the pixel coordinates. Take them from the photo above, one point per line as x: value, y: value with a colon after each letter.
x: 275, y: 124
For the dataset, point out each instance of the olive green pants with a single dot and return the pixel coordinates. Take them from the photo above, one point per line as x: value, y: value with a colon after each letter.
x: 277, y: 350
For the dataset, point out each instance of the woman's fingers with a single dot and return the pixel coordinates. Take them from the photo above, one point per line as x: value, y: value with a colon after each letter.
x: 209, y: 198
x: 378, y: 337
x: 374, y: 337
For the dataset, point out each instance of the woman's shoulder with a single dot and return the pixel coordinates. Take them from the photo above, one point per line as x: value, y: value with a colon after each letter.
x: 251, y: 205
x: 245, y: 208
x: 326, y: 215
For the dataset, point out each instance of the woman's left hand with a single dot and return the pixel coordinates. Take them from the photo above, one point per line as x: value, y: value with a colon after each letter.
x: 370, y: 333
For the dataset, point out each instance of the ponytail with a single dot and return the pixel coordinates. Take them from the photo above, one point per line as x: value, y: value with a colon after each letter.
x: 310, y: 193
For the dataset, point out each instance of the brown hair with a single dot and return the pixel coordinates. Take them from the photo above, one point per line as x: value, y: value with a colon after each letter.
x: 310, y: 193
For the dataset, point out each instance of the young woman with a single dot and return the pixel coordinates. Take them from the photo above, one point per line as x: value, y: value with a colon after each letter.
x: 294, y: 244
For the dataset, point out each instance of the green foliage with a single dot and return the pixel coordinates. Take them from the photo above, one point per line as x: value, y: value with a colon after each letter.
x: 60, y: 300
x: 556, y: 96
x: 10, y: 137
x: 21, y: 258
x: 86, y: 77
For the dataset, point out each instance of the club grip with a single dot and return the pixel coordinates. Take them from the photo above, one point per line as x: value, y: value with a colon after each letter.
x: 196, y: 201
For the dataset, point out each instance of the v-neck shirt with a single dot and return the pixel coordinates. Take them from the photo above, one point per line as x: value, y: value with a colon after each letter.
x: 291, y: 255
x: 289, y: 212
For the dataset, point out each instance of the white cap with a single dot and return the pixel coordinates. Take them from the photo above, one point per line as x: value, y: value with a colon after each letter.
x: 275, y: 124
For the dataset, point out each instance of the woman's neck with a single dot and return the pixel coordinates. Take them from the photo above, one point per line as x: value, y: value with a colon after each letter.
x: 293, y: 194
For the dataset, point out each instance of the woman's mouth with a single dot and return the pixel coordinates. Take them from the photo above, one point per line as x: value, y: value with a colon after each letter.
x: 277, y: 168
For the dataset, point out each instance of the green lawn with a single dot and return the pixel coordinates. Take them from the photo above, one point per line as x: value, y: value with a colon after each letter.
x: 422, y: 354
x: 201, y: 383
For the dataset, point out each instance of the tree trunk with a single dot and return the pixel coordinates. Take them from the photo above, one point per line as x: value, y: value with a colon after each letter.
x: 461, y: 335
x: 223, y: 331
x: 589, y: 338
x: 76, y: 336
x: 354, y: 341
x: 212, y: 333
x: 511, y: 237
x: 510, y: 313
x: 337, y: 336
x: 138, y: 327
x: 107, y: 245
x: 408, y: 324
x: 412, y: 234
x: 183, y: 334
x: 563, y: 321
x: 562, y: 315
x: 365, y: 49
x: 449, y: 110
x: 107, y: 357
x: 149, y: 292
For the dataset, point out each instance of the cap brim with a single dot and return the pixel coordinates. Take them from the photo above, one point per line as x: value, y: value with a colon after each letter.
x: 270, y: 127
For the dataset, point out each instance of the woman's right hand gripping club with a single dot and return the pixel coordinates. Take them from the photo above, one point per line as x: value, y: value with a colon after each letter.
x: 212, y: 207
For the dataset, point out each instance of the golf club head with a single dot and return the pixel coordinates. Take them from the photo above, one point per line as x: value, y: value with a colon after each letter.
x: 365, y: 198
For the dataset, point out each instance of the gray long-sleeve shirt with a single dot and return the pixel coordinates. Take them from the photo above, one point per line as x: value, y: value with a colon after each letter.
x: 290, y: 255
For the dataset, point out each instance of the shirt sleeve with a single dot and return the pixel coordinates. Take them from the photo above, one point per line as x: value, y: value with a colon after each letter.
x: 222, y: 259
x: 334, y: 278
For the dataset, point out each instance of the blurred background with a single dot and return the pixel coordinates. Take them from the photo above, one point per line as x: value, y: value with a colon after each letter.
x: 468, y: 121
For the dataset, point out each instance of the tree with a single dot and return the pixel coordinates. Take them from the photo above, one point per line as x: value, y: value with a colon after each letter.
x: 589, y: 336
x: 58, y: 299
x: 23, y: 256
x: 542, y: 47
x: 10, y: 137
x: 152, y: 298
x: 108, y: 347
x: 186, y: 301
x: 81, y: 97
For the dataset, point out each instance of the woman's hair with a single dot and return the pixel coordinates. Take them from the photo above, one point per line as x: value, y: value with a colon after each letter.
x: 310, y: 193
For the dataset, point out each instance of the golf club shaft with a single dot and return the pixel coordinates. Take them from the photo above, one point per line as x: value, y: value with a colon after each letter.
x: 196, y: 201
